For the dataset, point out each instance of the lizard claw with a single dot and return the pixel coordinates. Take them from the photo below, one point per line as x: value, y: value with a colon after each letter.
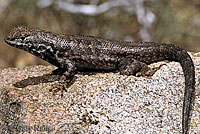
x: 62, y: 85
x: 58, y: 87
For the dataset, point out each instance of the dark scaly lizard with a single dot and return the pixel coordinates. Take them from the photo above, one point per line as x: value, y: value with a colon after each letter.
x: 71, y: 53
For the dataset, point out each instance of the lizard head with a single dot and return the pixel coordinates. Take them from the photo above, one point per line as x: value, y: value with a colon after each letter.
x: 19, y: 37
x: 34, y: 41
x: 30, y: 39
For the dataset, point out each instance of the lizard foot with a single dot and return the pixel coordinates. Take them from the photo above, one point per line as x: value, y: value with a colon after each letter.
x: 148, y: 72
x: 62, y: 85
x: 58, y: 87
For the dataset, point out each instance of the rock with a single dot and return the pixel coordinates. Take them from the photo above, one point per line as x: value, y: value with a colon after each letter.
x: 96, y: 102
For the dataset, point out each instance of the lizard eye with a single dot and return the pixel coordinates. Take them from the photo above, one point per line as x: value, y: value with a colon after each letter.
x: 23, y: 38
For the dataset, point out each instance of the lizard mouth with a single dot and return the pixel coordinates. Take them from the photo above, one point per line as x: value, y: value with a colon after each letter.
x: 7, y: 41
x: 12, y: 42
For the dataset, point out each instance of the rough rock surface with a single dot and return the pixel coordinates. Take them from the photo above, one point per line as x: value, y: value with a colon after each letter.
x: 96, y: 103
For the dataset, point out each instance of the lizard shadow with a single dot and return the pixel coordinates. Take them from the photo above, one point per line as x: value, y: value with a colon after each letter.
x: 46, y: 78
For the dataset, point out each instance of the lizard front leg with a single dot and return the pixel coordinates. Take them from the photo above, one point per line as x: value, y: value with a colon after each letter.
x: 67, y: 67
x: 66, y: 72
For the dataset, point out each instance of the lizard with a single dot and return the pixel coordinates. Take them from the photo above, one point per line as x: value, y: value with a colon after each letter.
x: 72, y: 53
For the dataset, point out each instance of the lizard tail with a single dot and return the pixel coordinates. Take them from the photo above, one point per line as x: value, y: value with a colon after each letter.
x: 173, y: 53
x: 186, y: 62
x: 189, y: 73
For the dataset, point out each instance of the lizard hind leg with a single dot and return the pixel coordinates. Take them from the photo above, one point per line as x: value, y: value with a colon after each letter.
x: 130, y: 66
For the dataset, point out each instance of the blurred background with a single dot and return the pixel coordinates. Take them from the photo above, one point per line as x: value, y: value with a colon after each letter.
x: 169, y: 21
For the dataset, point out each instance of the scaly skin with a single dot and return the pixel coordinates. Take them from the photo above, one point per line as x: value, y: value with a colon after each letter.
x: 71, y: 53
